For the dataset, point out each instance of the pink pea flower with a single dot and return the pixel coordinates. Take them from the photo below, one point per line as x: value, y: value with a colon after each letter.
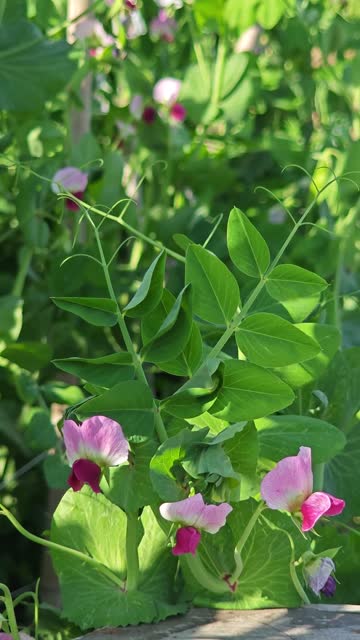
x: 289, y: 487
x: 176, y: 4
x: 98, y: 442
x: 73, y: 180
x: 318, y: 575
x: 195, y: 515
x: 163, y: 26
x: 178, y: 112
x: 166, y: 91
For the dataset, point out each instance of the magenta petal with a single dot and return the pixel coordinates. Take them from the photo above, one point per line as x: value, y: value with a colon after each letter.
x: 313, y: 508
x: 85, y: 472
x: 104, y: 441
x: 289, y: 483
x: 337, y: 505
x: 187, y: 541
x: 178, y: 112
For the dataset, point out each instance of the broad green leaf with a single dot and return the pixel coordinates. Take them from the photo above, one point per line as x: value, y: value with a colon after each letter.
x: 328, y: 337
x: 56, y: 472
x: 150, y: 291
x: 205, y: 461
x: 248, y: 392
x: 173, y: 333
x: 216, y: 294
x: 265, y: 580
x: 11, y: 314
x: 105, y: 371
x: 247, y: 248
x: 289, y: 282
x: 28, y: 355
x: 342, y: 474
x: 129, y: 485
x: 39, y: 433
x: 296, y: 309
x: 243, y: 451
x: 27, y: 75
x: 129, y: 403
x: 341, y: 385
x: 268, y: 14
x: 209, y: 13
x: 101, y: 312
x: 270, y: 341
x: 94, y: 526
x: 193, y: 401
x: 61, y: 392
x: 166, y: 472
x: 281, y: 436
x: 240, y: 16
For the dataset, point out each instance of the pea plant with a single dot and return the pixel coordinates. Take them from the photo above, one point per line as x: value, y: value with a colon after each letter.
x: 211, y: 494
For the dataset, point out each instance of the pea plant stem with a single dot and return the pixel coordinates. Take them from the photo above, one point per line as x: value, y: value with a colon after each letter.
x: 24, y: 263
x: 9, y: 606
x: 243, y: 539
x: 132, y: 558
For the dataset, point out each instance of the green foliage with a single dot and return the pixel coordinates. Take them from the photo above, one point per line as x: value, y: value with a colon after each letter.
x: 101, y: 312
x: 247, y: 248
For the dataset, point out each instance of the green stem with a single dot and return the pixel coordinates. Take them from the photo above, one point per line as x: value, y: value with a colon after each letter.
x: 297, y: 584
x: 10, y: 612
x: 155, y: 243
x: 132, y: 558
x: 25, y: 259
x: 203, y: 576
x: 218, y: 73
x: 54, y: 546
x: 140, y: 374
x: 243, y: 539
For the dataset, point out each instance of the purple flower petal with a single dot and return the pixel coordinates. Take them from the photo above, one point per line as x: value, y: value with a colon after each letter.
x: 85, y: 472
x: 149, y: 115
x: 313, y: 508
x: 194, y: 512
x: 289, y: 483
x: 317, y: 573
x: 104, y: 441
x: 329, y: 588
x: 71, y: 179
x: 187, y: 541
x: 73, y: 440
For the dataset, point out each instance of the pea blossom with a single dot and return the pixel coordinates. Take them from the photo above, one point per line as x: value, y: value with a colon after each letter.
x: 318, y: 575
x: 289, y: 487
x: 73, y: 180
x: 196, y: 516
x: 163, y: 26
x: 166, y: 92
x: 98, y: 442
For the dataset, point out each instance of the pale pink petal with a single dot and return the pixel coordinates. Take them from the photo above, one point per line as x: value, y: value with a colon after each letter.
x: 313, y: 508
x: 185, y: 511
x: 337, y: 506
x: 166, y: 91
x: 69, y: 178
x: 136, y: 106
x: 213, y: 517
x: 187, y: 541
x: 104, y: 441
x: 73, y: 440
x: 289, y: 483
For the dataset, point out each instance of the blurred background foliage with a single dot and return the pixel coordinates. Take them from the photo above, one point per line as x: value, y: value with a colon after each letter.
x: 266, y: 86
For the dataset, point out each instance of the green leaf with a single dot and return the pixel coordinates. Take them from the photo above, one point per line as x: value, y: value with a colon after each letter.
x: 129, y: 403
x: 342, y: 474
x: 28, y: 355
x: 247, y: 248
x: 56, y: 472
x: 248, y: 392
x: 243, y: 451
x: 129, y: 485
x: 216, y: 294
x: 187, y: 362
x: 281, y: 436
x: 173, y: 333
x: 296, y: 309
x: 288, y: 282
x: 27, y: 63
x: 91, y: 524
x: 270, y: 341
x: 61, y: 392
x: 101, y: 312
x: 150, y: 291
x: 105, y: 371
x: 166, y: 472
x: 39, y: 433
x: 11, y: 310
x: 268, y: 14
x: 193, y: 400
x: 328, y: 337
